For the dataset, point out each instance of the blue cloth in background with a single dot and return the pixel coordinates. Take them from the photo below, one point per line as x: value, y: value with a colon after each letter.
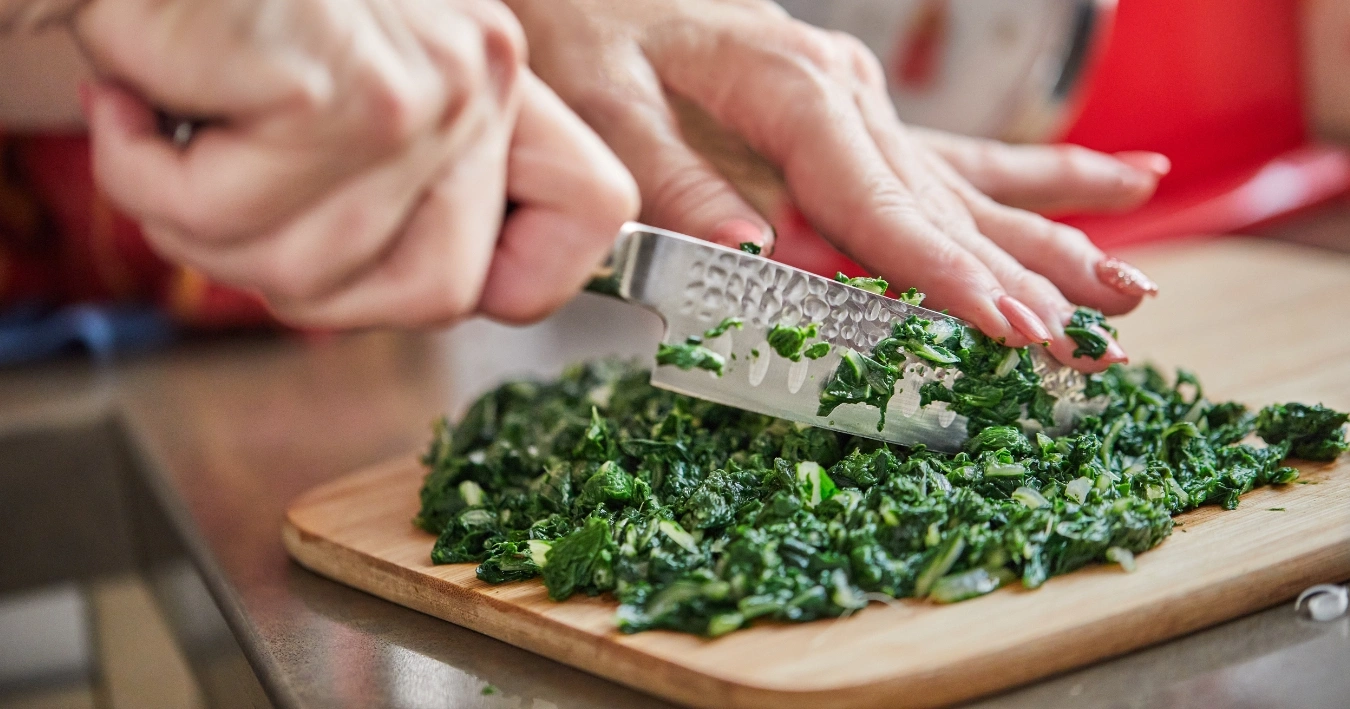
x: 29, y: 332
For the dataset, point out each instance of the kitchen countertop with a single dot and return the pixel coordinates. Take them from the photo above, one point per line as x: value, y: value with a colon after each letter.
x: 225, y: 433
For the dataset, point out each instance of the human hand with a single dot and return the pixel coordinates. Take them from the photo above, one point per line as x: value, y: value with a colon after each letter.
x: 919, y: 208
x: 357, y: 158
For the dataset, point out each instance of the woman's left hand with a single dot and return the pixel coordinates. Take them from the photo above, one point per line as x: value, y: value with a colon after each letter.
x: 919, y: 208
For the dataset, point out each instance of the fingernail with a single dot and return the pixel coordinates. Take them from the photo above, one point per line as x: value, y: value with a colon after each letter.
x: 1023, y: 319
x: 1125, y: 278
x: 735, y: 232
x: 1156, y: 163
x: 1115, y: 354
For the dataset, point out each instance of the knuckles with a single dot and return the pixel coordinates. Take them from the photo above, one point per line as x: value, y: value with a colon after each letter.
x: 474, y: 63
x: 859, y: 60
x: 836, y: 54
x: 400, y: 109
x: 617, y: 194
x: 445, y: 299
x: 815, y: 46
x: 625, y: 107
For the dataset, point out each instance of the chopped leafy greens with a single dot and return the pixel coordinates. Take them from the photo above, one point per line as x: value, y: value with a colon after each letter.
x: 722, y: 327
x: 790, y: 341
x: 871, y: 285
x: 859, y: 379
x: 1083, y: 328
x: 691, y: 353
x: 701, y: 518
x: 1312, y: 432
x: 996, y: 385
x: 751, y: 247
x: 816, y: 351
x: 912, y: 297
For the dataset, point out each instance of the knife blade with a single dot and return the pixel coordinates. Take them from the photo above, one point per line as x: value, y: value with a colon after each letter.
x: 693, y: 285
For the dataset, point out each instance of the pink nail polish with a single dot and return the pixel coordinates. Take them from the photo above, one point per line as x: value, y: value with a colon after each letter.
x: 1023, y: 319
x: 1156, y: 163
x: 1125, y: 278
x: 1115, y: 354
x: 734, y: 232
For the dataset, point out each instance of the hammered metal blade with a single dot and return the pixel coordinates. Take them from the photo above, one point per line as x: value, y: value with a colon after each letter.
x: 693, y: 285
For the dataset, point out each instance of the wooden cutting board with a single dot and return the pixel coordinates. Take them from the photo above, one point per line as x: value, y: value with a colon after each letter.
x: 1216, y: 565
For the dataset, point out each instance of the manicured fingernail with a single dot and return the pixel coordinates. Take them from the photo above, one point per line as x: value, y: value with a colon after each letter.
x: 1125, y: 278
x: 735, y: 232
x: 1023, y: 319
x: 1156, y: 163
x: 1115, y: 354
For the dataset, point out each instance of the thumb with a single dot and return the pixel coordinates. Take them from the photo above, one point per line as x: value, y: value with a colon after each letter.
x: 570, y: 196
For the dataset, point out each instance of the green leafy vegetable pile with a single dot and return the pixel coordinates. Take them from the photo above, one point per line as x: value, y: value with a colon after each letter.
x: 701, y: 517
x: 997, y: 383
x: 1311, y: 432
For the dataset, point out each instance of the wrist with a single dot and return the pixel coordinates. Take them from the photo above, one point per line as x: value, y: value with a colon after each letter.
x: 26, y: 16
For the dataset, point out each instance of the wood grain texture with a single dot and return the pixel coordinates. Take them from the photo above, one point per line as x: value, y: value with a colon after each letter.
x: 1217, y: 565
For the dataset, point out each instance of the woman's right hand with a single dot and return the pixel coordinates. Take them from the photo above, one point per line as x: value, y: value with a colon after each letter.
x: 357, y: 158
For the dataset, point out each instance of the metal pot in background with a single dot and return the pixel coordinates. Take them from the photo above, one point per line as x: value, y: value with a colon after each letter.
x: 1009, y: 69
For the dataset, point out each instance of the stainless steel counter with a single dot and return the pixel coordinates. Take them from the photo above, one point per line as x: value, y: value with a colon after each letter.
x: 219, y: 436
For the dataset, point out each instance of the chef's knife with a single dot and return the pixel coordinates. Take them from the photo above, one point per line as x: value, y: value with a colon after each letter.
x: 693, y: 285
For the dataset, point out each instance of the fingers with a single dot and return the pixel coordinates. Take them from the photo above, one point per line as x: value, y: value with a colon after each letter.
x: 874, y: 191
x: 792, y: 112
x: 356, y: 87
x: 433, y: 273
x: 433, y: 269
x: 572, y: 195
x: 913, y: 164
x: 312, y: 254
x: 681, y: 190
x: 1051, y: 178
x: 130, y: 160
x: 1035, y: 296
x: 220, y: 189
x: 1062, y: 254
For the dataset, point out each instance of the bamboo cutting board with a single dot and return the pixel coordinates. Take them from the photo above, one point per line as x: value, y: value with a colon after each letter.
x: 1215, y: 566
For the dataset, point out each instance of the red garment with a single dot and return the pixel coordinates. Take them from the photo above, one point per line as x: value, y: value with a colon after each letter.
x: 62, y: 242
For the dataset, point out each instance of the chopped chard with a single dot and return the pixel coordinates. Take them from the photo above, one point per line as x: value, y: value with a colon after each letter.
x: 790, y: 341
x: 699, y: 517
x: 1085, y: 328
x: 876, y: 286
